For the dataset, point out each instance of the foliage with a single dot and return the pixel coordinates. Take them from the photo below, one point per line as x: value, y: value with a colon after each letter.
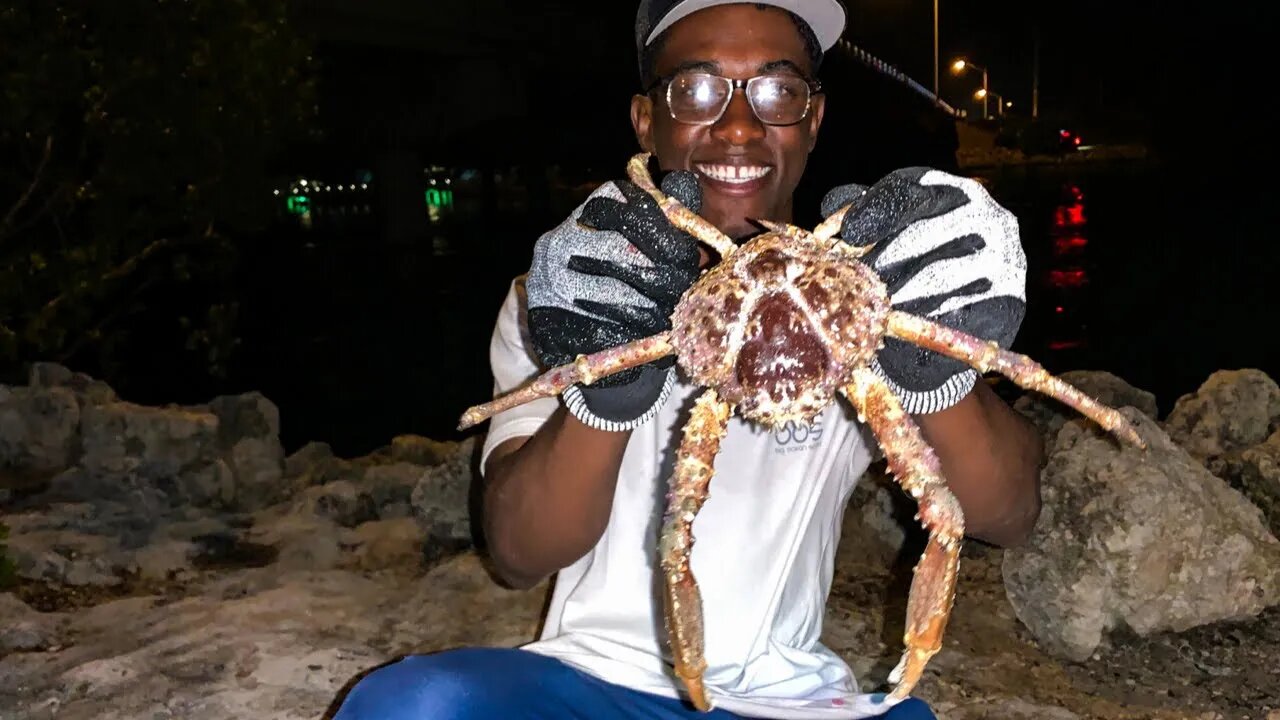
x: 136, y: 139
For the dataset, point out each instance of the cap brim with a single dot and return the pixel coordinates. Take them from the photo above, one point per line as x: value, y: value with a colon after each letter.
x: 826, y: 17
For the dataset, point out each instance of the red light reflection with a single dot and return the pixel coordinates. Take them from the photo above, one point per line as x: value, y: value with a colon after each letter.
x: 1068, y: 216
x: 1069, y: 244
x: 1068, y: 278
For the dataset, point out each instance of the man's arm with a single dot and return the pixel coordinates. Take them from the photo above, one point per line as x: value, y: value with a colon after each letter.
x: 991, y: 457
x: 547, y: 497
x: 610, y: 274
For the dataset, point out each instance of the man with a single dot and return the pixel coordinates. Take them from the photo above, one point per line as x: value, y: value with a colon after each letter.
x: 574, y: 485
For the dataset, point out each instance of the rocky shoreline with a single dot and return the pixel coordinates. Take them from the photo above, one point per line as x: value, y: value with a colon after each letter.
x: 173, y: 562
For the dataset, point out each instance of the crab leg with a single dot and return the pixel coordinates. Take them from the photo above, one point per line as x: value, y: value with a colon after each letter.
x: 828, y: 228
x: 683, y: 602
x: 916, y: 467
x: 679, y: 215
x: 584, y: 369
x: 987, y: 356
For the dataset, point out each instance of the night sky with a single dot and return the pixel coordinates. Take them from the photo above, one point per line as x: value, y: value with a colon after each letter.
x: 1116, y: 71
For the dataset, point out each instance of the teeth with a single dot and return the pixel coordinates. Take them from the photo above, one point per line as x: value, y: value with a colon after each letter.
x: 734, y: 173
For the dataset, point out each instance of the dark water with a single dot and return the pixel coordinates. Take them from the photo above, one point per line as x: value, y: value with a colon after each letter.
x: 1134, y: 269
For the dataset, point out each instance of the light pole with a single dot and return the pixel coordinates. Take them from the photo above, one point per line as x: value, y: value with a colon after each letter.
x: 1000, y: 102
x: 960, y: 66
x: 1035, y: 75
x: 936, y: 66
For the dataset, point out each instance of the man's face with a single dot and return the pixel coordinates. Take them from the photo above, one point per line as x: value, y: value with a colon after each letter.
x: 737, y: 41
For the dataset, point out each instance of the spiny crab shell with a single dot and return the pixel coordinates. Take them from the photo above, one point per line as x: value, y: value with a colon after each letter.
x: 779, y: 325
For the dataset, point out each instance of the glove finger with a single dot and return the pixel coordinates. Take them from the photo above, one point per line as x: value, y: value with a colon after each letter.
x: 663, y: 286
x: 915, y: 368
x: 603, y: 213
x: 894, y: 204
x: 559, y: 335
x: 645, y: 226
x: 636, y: 197
x: 840, y: 196
x: 639, y: 322
x: 925, y: 306
x: 897, y: 274
x: 995, y: 319
x: 683, y: 186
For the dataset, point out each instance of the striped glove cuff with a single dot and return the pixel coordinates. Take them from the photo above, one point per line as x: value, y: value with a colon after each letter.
x: 616, y: 411
x: 921, y: 403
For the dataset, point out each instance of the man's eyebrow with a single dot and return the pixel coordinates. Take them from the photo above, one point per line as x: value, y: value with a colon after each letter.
x: 782, y: 65
x: 687, y: 65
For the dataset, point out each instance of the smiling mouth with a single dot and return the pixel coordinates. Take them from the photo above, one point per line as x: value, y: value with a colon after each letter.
x: 734, y: 174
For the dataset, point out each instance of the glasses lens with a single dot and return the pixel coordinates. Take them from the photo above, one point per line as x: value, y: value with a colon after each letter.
x: 697, y: 97
x: 779, y: 99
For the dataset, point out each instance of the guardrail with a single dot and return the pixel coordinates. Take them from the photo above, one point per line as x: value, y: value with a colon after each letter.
x: 890, y: 71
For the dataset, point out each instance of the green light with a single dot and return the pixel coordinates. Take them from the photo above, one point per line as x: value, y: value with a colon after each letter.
x: 298, y: 204
x: 439, y: 199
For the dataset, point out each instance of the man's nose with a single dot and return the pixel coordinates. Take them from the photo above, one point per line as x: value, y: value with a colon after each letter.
x: 739, y: 124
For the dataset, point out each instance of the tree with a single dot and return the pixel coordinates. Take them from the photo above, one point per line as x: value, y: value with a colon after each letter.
x: 136, y: 138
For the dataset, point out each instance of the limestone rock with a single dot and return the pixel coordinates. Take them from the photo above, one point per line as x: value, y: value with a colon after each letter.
x: 1150, y: 541
x: 1232, y: 410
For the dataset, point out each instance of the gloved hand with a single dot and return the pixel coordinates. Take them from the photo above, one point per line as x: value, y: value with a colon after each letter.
x: 609, y: 276
x: 948, y: 252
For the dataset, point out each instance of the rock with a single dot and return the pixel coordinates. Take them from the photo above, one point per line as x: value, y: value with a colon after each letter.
x: 88, y: 391
x: 441, y: 498
x: 249, y: 435
x: 1149, y: 541
x: 68, y: 557
x: 38, y: 428
x: 341, y: 501
x: 884, y: 517
x: 391, y: 487
x: 22, y: 629
x: 1254, y: 471
x: 1110, y: 390
x: 420, y: 450
x: 136, y: 444
x: 1232, y: 410
x: 162, y: 560
x: 301, y: 538
x: 306, y: 457
x: 260, y: 643
x: 389, y: 544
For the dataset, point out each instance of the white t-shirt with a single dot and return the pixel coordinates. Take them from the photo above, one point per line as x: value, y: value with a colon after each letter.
x: 763, y: 557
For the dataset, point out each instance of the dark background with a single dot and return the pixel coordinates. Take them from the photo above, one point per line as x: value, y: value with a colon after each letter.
x: 372, y: 317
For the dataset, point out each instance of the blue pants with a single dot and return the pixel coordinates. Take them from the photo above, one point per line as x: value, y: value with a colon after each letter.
x: 512, y: 684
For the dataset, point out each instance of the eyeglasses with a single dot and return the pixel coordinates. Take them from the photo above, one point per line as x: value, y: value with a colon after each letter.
x: 700, y: 98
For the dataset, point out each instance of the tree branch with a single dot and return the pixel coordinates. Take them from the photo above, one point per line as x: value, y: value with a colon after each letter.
x: 26, y: 196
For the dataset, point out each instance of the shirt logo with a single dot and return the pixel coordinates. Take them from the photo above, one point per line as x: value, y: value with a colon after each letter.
x: 794, y: 437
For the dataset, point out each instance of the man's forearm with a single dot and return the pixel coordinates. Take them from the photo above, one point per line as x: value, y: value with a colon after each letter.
x: 991, y: 458
x: 547, y: 501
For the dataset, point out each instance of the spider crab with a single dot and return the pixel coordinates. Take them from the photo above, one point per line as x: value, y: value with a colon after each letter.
x: 774, y: 331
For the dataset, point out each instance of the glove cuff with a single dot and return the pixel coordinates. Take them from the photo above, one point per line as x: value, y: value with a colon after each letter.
x: 619, y: 409
x: 921, y: 403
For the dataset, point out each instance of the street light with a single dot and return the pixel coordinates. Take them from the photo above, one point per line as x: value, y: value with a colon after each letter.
x: 960, y: 66
x: 1000, y: 103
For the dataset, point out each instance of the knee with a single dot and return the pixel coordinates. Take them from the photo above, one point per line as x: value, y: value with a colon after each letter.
x: 419, y: 686
x: 910, y: 709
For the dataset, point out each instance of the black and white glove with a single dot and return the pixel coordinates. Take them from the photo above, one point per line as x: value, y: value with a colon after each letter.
x: 610, y: 274
x: 948, y: 252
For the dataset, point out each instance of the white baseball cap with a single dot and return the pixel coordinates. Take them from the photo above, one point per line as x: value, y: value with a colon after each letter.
x: 827, y: 18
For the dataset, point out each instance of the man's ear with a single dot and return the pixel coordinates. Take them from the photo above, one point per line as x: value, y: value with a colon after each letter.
x: 642, y: 121
x: 817, y: 107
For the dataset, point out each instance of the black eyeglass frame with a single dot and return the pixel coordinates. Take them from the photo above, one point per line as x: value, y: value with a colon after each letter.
x: 814, y: 87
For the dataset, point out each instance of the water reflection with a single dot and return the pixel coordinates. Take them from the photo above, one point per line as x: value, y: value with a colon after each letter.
x: 1067, y: 274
